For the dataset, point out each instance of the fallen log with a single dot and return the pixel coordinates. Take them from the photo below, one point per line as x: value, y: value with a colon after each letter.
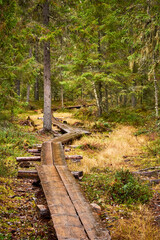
x: 73, y: 157
x: 27, y: 174
x: 150, y: 168
x: 148, y: 174
x: 154, y: 181
x: 34, y: 150
x: 21, y: 159
x: 72, y: 107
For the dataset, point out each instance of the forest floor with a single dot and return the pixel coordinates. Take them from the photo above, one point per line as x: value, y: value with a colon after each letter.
x: 104, y: 152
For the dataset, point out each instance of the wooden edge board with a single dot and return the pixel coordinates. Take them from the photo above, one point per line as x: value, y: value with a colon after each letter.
x: 83, y: 208
x: 66, y: 226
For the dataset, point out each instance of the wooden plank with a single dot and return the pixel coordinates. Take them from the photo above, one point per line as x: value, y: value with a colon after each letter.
x: 68, y: 129
x: 66, y: 222
x: 46, y: 153
x: 82, y: 207
x: 58, y: 154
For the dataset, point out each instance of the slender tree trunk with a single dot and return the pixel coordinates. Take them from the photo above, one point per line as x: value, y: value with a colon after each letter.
x: 155, y: 93
x: 99, y: 86
x: 141, y: 93
x: 133, y: 100
x: 125, y: 100
x: 36, y: 85
x: 28, y: 93
x: 47, y: 122
x: 29, y: 86
x: 62, y: 97
x: 106, y: 99
x: 97, y: 99
x: 18, y: 87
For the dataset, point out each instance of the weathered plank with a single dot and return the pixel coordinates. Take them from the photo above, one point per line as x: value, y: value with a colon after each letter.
x: 83, y: 208
x: 66, y: 222
x: 68, y: 129
x: 46, y: 153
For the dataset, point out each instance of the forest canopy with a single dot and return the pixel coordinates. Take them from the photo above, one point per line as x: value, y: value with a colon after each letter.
x: 102, y: 51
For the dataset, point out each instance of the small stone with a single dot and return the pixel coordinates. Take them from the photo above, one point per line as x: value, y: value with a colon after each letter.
x: 96, y: 207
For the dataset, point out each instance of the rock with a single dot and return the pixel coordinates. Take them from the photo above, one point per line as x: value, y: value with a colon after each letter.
x: 97, y: 208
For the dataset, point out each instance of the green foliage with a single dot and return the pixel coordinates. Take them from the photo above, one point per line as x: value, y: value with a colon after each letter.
x: 121, y: 187
x: 127, y: 189
x: 125, y: 115
x: 89, y: 113
x: 13, y: 141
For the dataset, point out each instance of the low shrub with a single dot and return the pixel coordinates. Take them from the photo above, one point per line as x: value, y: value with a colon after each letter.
x: 120, y: 187
x: 125, y: 115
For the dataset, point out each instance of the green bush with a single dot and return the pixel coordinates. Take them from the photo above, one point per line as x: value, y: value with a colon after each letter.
x: 127, y: 189
x: 120, y: 187
x: 125, y: 115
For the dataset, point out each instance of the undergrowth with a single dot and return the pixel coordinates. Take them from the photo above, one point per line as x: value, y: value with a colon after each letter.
x: 120, y: 187
x: 13, y: 142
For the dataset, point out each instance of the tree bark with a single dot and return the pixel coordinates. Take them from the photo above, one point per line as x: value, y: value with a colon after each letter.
x: 133, y: 100
x: 47, y: 120
x: 29, y: 86
x: 36, y: 85
x: 106, y: 99
x: 62, y: 97
x: 28, y: 93
x: 156, y: 93
x: 99, y: 86
x: 97, y: 99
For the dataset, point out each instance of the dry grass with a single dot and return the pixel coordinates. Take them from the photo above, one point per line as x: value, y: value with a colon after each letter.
x: 121, y: 142
x: 139, y: 226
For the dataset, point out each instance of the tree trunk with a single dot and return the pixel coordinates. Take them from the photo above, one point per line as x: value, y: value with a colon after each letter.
x: 133, y: 100
x: 97, y: 99
x: 17, y: 86
x: 47, y: 122
x: 99, y: 86
x: 28, y: 92
x: 62, y: 97
x: 106, y: 99
x: 29, y: 86
x: 36, y: 85
x: 156, y: 93
x: 125, y: 100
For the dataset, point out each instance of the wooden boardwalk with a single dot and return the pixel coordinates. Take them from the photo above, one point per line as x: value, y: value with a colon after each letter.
x: 71, y: 214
